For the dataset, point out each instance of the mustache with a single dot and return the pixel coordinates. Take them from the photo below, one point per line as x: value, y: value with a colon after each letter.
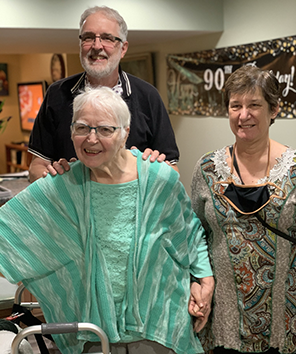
x: 96, y: 52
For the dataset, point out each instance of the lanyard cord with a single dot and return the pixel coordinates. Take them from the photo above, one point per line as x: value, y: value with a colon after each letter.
x: 274, y: 230
x: 235, y: 165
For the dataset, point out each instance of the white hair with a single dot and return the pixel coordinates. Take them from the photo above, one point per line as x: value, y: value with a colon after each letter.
x: 111, y: 14
x: 103, y: 99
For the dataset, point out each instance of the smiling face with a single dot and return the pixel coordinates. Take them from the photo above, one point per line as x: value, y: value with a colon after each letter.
x: 98, y: 61
x: 250, y: 115
x: 94, y: 151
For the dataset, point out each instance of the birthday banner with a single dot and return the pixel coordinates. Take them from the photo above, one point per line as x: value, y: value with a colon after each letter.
x: 195, y: 81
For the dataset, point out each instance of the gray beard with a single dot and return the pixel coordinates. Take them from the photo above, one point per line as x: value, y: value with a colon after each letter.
x: 94, y: 71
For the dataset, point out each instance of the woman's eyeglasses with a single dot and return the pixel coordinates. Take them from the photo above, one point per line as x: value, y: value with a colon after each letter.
x: 81, y: 129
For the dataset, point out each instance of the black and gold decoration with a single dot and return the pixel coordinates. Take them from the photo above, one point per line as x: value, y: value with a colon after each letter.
x: 196, y: 81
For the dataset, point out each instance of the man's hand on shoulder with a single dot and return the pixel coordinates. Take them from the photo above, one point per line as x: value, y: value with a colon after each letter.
x: 155, y: 155
x: 40, y: 167
x: 59, y: 167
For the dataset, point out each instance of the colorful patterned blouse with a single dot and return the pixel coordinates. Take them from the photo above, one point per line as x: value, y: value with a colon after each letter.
x: 255, y: 295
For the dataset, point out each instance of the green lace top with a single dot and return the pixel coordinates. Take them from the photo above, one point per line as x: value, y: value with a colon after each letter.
x: 114, y: 229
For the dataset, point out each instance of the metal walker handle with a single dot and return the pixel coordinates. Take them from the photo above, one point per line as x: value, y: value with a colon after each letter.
x: 58, y: 328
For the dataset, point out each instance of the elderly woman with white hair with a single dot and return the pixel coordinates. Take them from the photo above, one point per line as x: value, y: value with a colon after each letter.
x: 113, y: 242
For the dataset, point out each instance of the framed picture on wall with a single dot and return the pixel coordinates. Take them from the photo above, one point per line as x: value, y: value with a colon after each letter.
x: 57, y: 67
x: 140, y: 65
x: 3, y: 80
x: 30, y: 97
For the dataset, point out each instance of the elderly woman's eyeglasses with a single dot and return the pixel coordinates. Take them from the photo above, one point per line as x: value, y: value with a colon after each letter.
x: 107, y: 40
x: 81, y: 129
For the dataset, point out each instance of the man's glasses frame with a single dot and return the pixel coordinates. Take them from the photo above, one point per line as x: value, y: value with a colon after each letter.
x: 106, y: 39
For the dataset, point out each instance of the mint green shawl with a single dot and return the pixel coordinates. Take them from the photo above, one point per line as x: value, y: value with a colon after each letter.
x: 48, y: 242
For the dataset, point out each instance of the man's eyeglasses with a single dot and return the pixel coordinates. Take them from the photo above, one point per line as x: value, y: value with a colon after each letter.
x: 107, y: 40
x: 105, y: 131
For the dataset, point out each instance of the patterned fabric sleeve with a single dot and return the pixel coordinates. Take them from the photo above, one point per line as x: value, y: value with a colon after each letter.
x: 198, y: 204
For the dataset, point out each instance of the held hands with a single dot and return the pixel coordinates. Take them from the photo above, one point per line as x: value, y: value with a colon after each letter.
x: 196, y: 308
x: 200, y: 300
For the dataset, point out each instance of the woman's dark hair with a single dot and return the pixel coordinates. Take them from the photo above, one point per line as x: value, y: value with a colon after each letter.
x: 247, y: 78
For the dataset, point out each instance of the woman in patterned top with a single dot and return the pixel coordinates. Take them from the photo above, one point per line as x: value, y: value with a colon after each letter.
x: 112, y: 242
x: 245, y: 196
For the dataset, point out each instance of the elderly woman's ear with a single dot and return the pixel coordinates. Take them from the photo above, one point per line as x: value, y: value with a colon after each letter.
x: 127, y: 129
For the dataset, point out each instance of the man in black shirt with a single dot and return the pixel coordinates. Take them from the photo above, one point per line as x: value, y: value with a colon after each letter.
x: 103, y: 34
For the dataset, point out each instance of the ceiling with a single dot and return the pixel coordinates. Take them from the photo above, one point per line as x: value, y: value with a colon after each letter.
x: 25, y: 41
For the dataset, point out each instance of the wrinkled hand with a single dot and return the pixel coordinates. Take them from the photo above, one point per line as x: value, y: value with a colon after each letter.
x: 58, y: 167
x: 195, y: 305
x: 200, y: 301
x: 154, y: 155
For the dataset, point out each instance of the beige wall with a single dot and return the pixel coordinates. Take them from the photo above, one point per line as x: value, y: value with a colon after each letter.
x: 73, y: 64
